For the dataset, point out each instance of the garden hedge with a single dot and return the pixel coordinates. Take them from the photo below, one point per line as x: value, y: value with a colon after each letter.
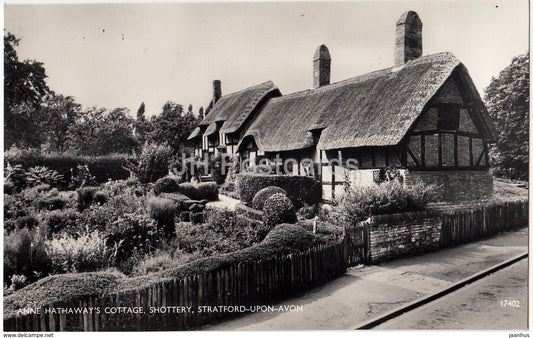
x: 300, y: 189
x: 103, y: 168
x: 244, y: 211
x: 200, y: 191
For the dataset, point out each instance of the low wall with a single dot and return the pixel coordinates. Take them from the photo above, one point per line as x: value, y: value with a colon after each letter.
x: 455, y: 185
x: 407, y: 233
x: 395, y: 235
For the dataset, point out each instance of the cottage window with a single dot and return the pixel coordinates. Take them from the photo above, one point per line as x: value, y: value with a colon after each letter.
x: 448, y: 118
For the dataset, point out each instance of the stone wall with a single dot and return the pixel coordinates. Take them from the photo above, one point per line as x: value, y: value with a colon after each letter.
x: 407, y: 233
x: 454, y: 185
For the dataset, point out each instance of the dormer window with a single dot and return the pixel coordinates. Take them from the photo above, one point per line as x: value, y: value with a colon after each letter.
x: 449, y: 116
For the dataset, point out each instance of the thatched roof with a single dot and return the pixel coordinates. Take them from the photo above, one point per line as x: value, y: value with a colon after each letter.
x: 232, y: 110
x: 376, y: 109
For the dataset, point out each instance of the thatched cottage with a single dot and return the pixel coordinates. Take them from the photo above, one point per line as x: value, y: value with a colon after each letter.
x: 423, y: 116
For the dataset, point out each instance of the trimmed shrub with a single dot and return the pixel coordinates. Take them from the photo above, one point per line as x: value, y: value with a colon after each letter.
x: 165, y: 184
x: 278, y: 209
x: 200, y: 191
x: 300, y: 189
x: 262, y: 195
x: 242, y: 209
x: 85, y: 197
x: 163, y: 212
x: 100, y: 197
x: 59, y: 288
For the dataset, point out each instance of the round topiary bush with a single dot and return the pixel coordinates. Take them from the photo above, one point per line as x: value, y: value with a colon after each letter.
x: 165, y: 184
x: 262, y: 195
x: 278, y: 209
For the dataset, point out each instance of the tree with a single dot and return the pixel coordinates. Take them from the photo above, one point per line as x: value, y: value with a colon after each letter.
x: 507, y: 100
x: 60, y: 114
x: 84, y: 134
x: 173, y: 126
x: 24, y: 87
x: 115, y: 134
x: 140, y: 113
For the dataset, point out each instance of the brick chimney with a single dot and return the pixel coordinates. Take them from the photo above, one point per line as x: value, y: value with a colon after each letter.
x: 217, y: 91
x: 321, y: 67
x: 408, y: 38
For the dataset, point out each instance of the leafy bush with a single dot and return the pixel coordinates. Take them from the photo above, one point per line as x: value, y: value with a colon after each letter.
x: 278, y: 209
x: 361, y: 202
x: 14, y: 207
x: 87, y: 252
x: 164, y: 212
x: 15, y: 176
x: 51, y: 203
x: 24, y: 256
x: 262, y: 195
x: 42, y: 175
x: 130, y: 234
x: 200, y: 191
x: 165, y: 184
x: 100, y: 197
x: 152, y: 163
x: 300, y: 189
x: 162, y: 260
x: 82, y: 177
x: 27, y: 222
x: 85, y: 197
x: 309, y: 211
x: 58, y: 221
x: 223, y: 231
x: 18, y: 282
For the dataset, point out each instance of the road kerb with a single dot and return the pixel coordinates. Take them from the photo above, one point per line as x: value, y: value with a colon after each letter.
x: 429, y: 298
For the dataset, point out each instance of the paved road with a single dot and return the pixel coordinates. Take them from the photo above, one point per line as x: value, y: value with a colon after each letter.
x: 365, y: 292
x: 477, y: 306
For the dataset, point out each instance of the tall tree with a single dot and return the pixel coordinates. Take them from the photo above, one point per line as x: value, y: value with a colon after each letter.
x: 507, y: 100
x: 24, y: 87
x: 60, y: 114
x: 172, y: 126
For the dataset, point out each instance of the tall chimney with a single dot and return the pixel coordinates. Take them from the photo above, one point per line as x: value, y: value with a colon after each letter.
x: 408, y: 38
x: 321, y: 66
x: 217, y: 91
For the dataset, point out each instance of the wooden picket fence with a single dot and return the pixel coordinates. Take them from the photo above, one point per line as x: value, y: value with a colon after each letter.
x: 474, y: 222
x: 241, y: 287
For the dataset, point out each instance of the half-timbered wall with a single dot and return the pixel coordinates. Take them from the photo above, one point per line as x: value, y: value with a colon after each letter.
x: 446, y: 137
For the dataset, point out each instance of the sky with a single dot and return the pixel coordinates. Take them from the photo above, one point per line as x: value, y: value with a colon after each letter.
x: 119, y: 55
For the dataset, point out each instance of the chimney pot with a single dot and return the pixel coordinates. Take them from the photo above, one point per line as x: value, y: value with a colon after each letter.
x: 408, y: 38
